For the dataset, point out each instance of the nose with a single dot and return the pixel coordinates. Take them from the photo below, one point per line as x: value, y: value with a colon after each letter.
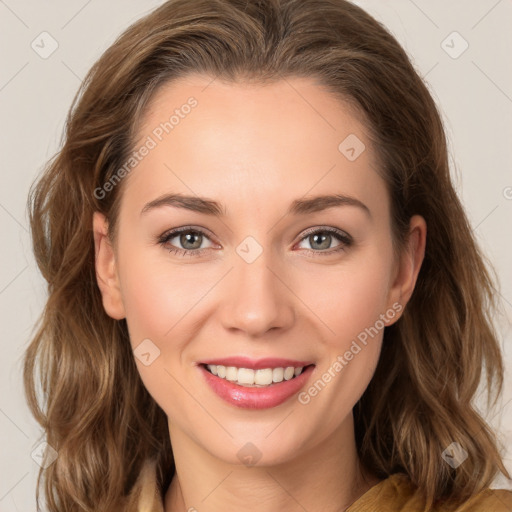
x: 256, y: 297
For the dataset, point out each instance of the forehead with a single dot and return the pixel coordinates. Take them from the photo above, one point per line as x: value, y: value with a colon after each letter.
x: 293, y: 107
x: 248, y: 142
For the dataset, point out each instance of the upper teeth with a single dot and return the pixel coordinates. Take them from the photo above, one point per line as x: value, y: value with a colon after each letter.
x: 248, y: 377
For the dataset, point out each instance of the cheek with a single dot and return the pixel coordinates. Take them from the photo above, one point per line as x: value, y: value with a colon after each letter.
x: 350, y: 299
x: 346, y: 298
x: 356, y: 306
x: 157, y: 295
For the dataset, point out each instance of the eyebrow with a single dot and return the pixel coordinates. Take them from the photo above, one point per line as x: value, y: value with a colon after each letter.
x: 211, y: 207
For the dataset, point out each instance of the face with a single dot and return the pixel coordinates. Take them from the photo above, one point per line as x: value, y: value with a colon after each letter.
x: 262, y: 267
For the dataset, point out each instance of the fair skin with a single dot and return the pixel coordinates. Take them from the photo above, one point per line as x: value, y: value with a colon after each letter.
x: 255, y: 149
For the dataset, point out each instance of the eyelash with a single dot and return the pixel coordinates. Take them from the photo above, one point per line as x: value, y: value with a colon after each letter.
x: 344, y: 238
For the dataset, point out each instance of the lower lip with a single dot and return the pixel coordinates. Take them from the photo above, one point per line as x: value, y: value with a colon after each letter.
x: 253, y: 397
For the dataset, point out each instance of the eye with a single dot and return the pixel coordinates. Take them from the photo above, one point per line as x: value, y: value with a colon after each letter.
x: 320, y: 240
x: 189, y: 239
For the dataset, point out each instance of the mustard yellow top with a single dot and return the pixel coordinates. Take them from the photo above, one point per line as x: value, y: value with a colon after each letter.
x: 394, y: 494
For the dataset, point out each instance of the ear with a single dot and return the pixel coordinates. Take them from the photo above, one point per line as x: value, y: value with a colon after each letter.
x: 409, y: 264
x: 106, y: 268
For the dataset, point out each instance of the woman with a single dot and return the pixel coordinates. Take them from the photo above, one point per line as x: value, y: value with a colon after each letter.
x: 199, y: 350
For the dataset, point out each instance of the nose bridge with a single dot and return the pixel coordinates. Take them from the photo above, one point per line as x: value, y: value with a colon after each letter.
x: 256, y: 300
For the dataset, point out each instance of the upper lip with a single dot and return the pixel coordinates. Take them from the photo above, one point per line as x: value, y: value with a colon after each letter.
x: 257, y: 364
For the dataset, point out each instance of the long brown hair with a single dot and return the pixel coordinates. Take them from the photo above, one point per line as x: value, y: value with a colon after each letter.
x: 94, y: 408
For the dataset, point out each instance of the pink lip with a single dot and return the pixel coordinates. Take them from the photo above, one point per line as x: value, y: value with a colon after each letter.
x: 253, y: 397
x: 268, y: 362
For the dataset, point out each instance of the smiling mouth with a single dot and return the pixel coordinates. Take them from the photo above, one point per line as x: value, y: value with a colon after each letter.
x: 247, y: 377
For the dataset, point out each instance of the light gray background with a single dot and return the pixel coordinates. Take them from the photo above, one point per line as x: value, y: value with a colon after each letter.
x: 474, y: 91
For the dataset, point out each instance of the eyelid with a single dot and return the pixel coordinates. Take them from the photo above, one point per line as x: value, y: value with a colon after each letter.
x: 171, y: 233
x: 164, y: 238
x: 343, y: 237
x: 328, y: 229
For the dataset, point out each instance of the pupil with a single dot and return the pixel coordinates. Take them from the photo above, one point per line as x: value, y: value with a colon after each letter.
x: 324, y: 239
x: 185, y: 239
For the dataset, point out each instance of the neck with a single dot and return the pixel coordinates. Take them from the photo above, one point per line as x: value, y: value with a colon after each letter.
x: 326, y: 477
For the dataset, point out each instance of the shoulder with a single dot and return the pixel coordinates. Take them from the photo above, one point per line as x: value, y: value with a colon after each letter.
x: 397, y: 494
x: 145, y: 495
x: 492, y: 500
x: 394, y: 494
